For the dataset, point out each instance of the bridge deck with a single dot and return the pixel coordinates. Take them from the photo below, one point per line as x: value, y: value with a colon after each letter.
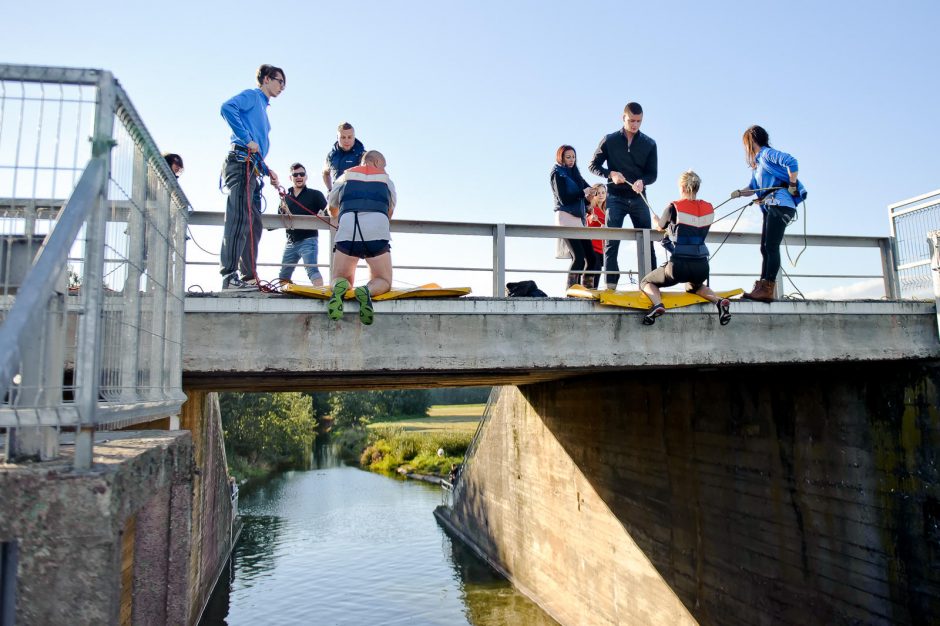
x: 269, y: 342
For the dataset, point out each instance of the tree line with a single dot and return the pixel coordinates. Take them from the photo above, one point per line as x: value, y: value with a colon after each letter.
x: 274, y: 429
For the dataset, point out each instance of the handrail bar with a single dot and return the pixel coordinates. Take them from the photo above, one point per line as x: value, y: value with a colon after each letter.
x: 485, y: 229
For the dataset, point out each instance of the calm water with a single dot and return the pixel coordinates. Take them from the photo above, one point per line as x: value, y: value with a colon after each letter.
x: 338, y: 545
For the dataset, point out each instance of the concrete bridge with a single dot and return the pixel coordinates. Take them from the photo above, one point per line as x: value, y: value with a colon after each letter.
x: 778, y: 470
x: 782, y: 469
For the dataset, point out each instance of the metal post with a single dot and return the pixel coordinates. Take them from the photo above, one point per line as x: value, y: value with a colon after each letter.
x: 136, y: 228
x: 934, y: 240
x: 644, y: 257
x: 499, y: 260
x: 157, y: 251
x: 889, y: 268
x: 87, y: 354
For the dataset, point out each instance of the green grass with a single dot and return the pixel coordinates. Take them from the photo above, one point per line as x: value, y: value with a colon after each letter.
x: 391, y: 447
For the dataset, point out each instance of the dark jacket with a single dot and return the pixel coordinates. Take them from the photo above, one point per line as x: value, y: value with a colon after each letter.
x: 638, y: 161
x: 314, y: 201
x: 568, y: 188
x: 339, y: 160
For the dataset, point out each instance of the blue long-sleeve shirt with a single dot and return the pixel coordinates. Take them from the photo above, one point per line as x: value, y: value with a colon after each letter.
x: 773, y: 170
x: 247, y: 116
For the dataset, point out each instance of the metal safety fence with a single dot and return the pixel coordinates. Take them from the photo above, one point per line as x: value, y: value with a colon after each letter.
x: 499, y: 234
x: 911, y: 222
x: 92, y: 236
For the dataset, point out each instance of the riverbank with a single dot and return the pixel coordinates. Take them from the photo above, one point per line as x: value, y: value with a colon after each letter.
x: 422, y: 448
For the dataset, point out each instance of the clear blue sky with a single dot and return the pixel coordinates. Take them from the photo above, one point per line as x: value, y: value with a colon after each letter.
x: 470, y: 100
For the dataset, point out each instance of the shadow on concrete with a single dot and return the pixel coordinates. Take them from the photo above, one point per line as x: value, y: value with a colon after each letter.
x: 794, y: 494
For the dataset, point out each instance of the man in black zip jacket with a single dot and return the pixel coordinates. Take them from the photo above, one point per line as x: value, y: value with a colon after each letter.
x: 631, y: 165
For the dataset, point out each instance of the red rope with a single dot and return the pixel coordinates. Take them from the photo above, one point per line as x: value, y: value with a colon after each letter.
x: 290, y: 197
x: 251, y: 229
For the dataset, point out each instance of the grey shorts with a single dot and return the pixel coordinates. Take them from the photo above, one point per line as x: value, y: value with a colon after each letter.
x: 362, y: 235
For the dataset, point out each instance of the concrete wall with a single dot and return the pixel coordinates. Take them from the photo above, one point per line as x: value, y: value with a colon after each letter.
x: 212, y: 503
x: 70, y: 528
x: 785, y: 494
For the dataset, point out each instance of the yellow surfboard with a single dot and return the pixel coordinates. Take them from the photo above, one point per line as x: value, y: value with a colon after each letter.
x: 671, y: 299
x: 579, y: 291
x: 430, y: 290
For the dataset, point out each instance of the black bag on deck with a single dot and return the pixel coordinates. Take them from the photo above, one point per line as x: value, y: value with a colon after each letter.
x: 524, y: 289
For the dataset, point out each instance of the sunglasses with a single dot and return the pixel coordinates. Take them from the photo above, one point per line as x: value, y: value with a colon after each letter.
x: 299, y: 174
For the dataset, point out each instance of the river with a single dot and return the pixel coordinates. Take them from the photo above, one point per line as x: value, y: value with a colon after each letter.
x: 336, y: 545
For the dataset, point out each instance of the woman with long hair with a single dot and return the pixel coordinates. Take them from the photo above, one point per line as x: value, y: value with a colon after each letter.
x: 774, y: 180
x: 569, y: 189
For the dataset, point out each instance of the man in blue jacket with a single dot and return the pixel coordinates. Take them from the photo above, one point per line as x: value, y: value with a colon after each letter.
x: 346, y: 153
x: 247, y: 116
x: 631, y: 165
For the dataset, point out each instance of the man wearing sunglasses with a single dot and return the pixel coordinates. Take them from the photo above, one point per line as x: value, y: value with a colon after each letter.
x: 244, y: 168
x: 301, y: 243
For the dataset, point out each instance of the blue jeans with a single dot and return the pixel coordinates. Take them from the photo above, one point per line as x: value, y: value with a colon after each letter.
x: 617, y: 210
x: 306, y: 249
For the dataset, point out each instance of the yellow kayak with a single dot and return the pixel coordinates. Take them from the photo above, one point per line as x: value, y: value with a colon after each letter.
x: 430, y: 290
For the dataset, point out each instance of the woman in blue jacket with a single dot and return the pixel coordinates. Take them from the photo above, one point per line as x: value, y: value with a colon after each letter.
x: 779, y: 192
x: 570, y: 189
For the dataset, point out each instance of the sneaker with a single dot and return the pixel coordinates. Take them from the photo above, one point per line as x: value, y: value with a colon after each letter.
x: 366, y: 312
x: 233, y: 283
x: 334, y: 306
x: 650, y: 318
x: 724, y: 311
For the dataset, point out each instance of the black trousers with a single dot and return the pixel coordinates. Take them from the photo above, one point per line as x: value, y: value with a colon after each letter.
x: 775, y: 223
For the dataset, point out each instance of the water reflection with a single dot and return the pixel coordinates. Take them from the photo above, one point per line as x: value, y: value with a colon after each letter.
x: 337, y: 545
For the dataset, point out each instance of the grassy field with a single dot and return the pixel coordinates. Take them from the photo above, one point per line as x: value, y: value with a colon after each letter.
x: 441, y: 417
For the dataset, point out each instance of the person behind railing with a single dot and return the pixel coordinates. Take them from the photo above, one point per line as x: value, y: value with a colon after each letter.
x: 346, y: 153
x: 569, y: 190
x: 774, y: 180
x: 687, y: 221
x: 363, y: 201
x: 631, y: 165
x: 175, y: 162
x: 302, y: 243
x: 247, y: 116
x: 596, y: 218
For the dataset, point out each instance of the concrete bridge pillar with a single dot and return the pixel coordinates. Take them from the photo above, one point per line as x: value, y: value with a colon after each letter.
x: 781, y: 494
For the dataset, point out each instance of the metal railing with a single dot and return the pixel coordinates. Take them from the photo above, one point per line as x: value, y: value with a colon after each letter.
x: 498, y: 234
x: 911, y: 222
x: 92, y: 323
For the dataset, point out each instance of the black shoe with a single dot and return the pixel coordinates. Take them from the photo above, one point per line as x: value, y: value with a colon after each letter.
x: 233, y: 283
x: 650, y: 318
x: 724, y: 311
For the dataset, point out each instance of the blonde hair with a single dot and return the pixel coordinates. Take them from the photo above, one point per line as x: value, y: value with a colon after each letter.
x: 689, y: 182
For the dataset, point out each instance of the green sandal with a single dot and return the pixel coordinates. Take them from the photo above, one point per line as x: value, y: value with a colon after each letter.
x: 366, y: 312
x: 334, y: 306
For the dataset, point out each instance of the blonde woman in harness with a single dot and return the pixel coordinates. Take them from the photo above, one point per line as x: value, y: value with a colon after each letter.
x: 686, y: 221
x: 363, y: 200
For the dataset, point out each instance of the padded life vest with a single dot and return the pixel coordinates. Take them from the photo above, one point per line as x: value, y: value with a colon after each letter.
x: 366, y: 190
x: 693, y: 219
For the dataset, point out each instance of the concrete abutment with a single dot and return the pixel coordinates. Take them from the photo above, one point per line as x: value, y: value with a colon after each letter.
x: 780, y: 494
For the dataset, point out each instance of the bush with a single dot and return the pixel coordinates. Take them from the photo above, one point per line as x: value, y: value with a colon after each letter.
x: 390, y: 448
